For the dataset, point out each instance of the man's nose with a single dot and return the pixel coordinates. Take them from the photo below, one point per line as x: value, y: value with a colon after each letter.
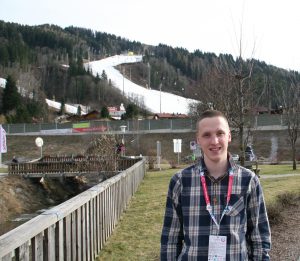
x: 214, y: 139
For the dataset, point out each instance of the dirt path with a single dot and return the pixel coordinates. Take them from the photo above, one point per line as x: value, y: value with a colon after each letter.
x: 278, y: 176
x: 286, y: 235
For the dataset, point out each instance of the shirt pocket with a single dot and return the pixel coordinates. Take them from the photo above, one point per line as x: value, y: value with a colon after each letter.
x: 235, y: 217
x: 236, y: 207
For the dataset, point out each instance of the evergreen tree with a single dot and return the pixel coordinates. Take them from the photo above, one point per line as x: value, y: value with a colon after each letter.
x: 79, y: 110
x: 11, y: 99
x: 132, y: 111
x: 104, y: 76
x: 22, y: 115
x: 104, y: 112
x: 62, y: 108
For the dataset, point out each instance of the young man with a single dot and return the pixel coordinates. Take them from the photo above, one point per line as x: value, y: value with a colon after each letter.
x: 215, y: 209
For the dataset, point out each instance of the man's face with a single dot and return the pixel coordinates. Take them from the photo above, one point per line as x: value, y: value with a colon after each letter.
x: 213, y: 137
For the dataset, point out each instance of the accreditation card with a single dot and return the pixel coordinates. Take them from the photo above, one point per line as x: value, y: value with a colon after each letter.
x: 217, y: 248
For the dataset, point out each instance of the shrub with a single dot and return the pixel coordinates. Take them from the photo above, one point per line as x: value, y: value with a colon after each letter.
x: 282, y: 201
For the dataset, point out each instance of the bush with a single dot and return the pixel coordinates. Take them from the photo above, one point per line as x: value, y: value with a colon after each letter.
x: 282, y: 201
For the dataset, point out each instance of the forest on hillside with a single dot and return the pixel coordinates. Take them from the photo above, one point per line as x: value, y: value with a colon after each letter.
x: 47, y: 61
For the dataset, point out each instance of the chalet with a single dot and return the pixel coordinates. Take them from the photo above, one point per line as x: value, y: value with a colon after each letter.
x: 259, y: 110
x: 170, y: 116
x: 116, y: 112
x: 264, y: 110
x: 69, y: 118
x: 92, y: 115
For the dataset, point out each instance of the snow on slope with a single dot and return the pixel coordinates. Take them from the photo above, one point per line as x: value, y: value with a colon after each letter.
x: 53, y: 104
x: 153, y: 99
x: 68, y: 108
x: 2, y: 82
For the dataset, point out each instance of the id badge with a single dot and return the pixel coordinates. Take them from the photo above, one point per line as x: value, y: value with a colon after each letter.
x: 217, y: 248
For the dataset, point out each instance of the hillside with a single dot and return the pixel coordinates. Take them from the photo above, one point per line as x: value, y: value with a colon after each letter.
x: 47, y: 61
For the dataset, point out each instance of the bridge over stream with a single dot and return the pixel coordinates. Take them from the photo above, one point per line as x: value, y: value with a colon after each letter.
x: 78, y: 228
x: 72, y: 166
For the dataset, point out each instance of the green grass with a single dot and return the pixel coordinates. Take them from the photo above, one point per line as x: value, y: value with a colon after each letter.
x: 137, y: 235
x: 278, y: 186
x: 3, y: 170
x: 277, y: 169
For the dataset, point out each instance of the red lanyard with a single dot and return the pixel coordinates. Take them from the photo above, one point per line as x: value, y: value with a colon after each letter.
x: 207, y: 200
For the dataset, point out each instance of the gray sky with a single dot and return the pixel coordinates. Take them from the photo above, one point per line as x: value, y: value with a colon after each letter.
x: 269, y: 29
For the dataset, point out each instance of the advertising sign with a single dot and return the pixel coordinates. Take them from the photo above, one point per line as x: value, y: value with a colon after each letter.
x: 177, y: 145
x: 3, y: 147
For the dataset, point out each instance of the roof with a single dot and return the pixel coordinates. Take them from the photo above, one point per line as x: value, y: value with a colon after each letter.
x: 169, y: 116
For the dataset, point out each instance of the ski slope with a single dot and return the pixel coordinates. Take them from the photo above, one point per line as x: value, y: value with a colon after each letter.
x: 154, y: 100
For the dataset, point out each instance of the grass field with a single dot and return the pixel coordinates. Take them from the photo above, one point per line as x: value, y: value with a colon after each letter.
x: 137, y: 235
x: 3, y: 170
x: 278, y: 169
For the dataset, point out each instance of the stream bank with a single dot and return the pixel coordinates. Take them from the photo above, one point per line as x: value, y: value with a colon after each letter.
x: 22, y: 199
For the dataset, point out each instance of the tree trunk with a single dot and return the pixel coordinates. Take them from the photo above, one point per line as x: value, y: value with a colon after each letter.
x: 241, y: 141
x: 294, y: 156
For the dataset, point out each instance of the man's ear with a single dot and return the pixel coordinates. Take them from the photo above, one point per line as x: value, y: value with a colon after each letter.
x: 197, y: 139
x: 229, y: 136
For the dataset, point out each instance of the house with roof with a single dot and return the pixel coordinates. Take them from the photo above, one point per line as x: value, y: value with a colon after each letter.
x: 169, y: 116
x: 116, y: 112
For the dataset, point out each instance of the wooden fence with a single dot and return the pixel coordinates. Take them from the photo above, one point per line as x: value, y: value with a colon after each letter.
x: 78, y: 228
x: 70, y: 166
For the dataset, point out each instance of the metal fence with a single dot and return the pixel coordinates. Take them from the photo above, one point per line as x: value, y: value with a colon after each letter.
x: 187, y: 124
x: 101, y: 126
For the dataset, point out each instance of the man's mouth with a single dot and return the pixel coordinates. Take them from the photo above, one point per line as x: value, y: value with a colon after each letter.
x: 216, y: 149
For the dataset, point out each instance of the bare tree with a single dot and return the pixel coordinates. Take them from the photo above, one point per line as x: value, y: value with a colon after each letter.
x: 231, y: 91
x: 290, y: 98
x: 235, y: 96
x: 239, y: 103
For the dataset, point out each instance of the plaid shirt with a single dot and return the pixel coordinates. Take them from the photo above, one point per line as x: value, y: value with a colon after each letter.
x: 188, y: 225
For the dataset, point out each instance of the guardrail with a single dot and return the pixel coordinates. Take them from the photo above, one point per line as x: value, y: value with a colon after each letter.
x: 78, y: 228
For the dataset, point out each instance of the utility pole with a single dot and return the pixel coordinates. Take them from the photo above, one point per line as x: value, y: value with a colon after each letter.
x: 149, y: 75
x: 123, y: 80
x: 160, y: 85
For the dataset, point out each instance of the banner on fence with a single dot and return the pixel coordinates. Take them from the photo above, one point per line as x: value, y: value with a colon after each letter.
x: 57, y: 131
x: 90, y: 129
x: 3, y: 147
x: 81, y: 125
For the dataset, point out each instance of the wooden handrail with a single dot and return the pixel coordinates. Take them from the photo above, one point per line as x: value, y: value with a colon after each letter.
x: 78, y: 228
x: 70, y: 165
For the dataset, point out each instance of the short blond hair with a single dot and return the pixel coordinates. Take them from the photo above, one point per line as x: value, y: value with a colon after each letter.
x: 211, y: 114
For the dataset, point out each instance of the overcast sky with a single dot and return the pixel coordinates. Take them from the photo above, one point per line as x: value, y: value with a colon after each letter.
x: 269, y: 29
